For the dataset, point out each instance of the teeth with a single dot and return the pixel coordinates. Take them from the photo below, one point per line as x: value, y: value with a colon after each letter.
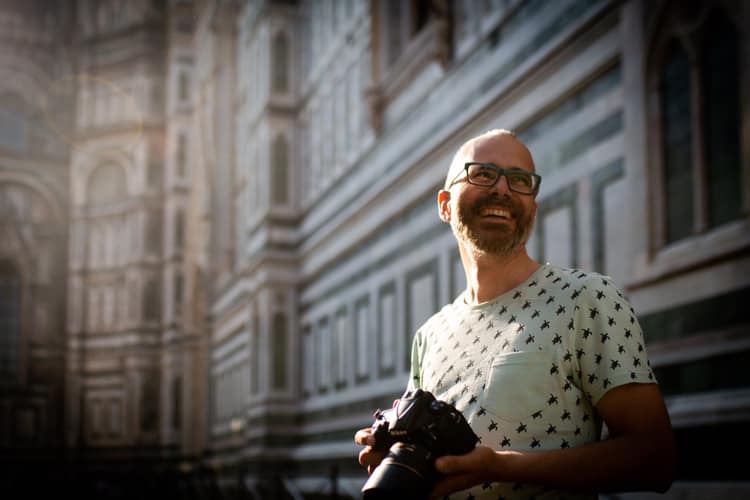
x: 497, y: 212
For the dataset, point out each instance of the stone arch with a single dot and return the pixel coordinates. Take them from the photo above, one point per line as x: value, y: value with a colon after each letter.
x: 55, y: 204
x: 22, y: 76
x: 87, y: 163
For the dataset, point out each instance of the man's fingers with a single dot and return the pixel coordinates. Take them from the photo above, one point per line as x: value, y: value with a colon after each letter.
x: 363, y: 437
x: 369, y: 457
x: 363, y: 456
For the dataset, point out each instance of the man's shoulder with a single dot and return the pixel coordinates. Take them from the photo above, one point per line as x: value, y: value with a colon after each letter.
x: 577, y: 279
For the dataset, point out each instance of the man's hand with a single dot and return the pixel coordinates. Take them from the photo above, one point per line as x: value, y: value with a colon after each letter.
x: 464, y: 471
x: 368, y: 457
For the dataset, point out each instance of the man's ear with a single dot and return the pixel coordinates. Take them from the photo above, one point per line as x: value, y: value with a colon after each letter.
x: 444, y: 207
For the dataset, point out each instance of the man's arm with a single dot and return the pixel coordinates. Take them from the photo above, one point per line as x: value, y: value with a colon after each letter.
x: 639, y: 453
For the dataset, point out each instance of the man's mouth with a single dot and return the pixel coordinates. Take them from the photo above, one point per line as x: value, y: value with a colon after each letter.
x: 495, y: 212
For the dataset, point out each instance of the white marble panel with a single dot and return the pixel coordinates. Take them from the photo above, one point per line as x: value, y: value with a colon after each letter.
x: 557, y: 230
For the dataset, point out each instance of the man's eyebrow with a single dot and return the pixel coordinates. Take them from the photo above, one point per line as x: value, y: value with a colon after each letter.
x: 498, y: 166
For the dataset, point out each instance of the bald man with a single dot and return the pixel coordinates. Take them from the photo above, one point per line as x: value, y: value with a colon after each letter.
x: 539, y: 358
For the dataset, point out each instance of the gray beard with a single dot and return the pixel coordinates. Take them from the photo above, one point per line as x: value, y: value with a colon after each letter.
x: 504, y: 245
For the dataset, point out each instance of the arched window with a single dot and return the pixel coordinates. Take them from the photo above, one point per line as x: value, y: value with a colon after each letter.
x: 13, y: 122
x: 179, y: 230
x: 10, y: 321
x: 107, y: 184
x: 698, y: 151
x: 280, y: 62
x: 677, y: 143
x: 181, y: 155
x: 280, y: 171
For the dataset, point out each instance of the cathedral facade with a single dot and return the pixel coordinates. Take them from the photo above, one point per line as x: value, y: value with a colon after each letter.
x: 219, y: 230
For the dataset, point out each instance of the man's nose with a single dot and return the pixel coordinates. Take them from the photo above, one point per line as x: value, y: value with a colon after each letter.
x: 501, y: 187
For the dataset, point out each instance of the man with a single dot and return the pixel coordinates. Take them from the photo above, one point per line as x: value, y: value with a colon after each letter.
x: 537, y: 357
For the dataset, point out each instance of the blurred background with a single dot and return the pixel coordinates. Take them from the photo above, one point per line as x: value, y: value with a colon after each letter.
x: 218, y: 223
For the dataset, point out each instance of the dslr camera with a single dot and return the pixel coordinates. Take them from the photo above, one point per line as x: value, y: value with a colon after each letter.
x: 417, y: 431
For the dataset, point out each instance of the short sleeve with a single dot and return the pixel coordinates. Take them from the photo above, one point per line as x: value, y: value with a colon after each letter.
x: 417, y: 354
x: 609, y: 343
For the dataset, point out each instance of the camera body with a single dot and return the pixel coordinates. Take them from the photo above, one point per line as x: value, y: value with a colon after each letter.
x: 416, y: 431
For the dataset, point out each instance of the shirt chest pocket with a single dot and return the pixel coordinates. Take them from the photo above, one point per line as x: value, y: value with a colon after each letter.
x: 520, y: 384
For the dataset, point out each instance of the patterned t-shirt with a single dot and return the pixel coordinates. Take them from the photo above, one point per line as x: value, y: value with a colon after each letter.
x: 527, y: 368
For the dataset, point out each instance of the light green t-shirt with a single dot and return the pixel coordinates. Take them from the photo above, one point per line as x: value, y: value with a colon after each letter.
x: 527, y: 368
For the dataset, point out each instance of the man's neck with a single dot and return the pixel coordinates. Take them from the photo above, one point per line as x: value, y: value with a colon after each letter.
x: 489, y: 276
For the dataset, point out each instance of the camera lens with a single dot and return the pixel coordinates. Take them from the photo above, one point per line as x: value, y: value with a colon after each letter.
x: 406, y: 472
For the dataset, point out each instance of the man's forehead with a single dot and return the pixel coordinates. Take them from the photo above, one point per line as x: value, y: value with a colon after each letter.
x: 504, y: 151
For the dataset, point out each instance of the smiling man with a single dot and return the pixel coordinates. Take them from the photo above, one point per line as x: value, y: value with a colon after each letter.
x: 539, y: 358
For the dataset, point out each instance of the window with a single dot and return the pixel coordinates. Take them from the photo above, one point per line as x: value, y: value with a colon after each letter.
x: 255, y: 354
x: 308, y: 360
x: 184, y: 24
x: 387, y: 330
x: 279, y: 355
x: 153, y: 232
x: 339, y: 349
x: 695, y: 76
x: 677, y: 143
x: 403, y: 20
x: 115, y: 418
x: 155, y: 175
x: 280, y: 68
x: 178, y: 292
x: 179, y: 230
x: 362, y: 329
x: 97, y: 418
x: 10, y: 321
x: 13, y: 122
x: 151, y: 300
x: 183, y: 86
x: 280, y: 171
x: 410, y: 38
x: 149, y: 402
x: 181, y: 156
x: 323, y: 355
x: 177, y: 403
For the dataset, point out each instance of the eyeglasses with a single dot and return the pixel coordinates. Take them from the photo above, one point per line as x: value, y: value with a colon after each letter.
x: 488, y: 174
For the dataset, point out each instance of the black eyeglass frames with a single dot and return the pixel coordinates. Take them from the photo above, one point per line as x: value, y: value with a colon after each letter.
x: 488, y: 174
